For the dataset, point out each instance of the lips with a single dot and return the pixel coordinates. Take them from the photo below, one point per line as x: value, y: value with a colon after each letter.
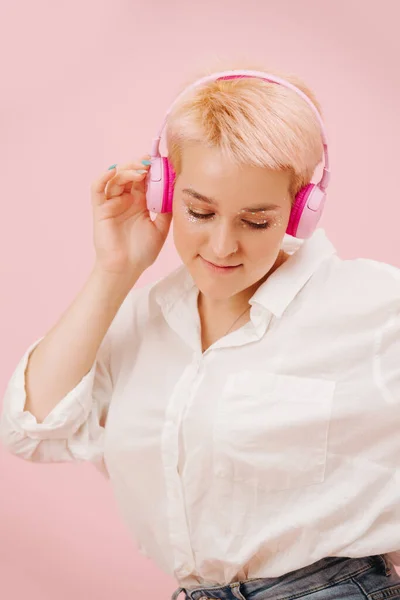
x: 219, y: 267
x: 223, y: 266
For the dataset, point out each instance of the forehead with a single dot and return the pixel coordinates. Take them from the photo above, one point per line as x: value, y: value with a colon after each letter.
x: 206, y: 172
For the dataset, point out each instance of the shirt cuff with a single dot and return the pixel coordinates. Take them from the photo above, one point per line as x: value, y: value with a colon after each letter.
x: 62, y: 422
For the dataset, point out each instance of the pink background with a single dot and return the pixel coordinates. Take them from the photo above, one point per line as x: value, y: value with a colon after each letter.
x: 85, y: 84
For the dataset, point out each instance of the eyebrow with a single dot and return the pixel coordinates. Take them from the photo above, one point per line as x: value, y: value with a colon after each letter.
x: 208, y: 200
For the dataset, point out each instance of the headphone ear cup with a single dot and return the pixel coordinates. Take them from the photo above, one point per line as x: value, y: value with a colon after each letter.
x: 160, y: 185
x: 155, y: 185
x: 169, y: 182
x: 306, y: 211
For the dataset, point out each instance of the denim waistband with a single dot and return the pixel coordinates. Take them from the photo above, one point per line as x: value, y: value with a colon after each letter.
x: 329, y: 569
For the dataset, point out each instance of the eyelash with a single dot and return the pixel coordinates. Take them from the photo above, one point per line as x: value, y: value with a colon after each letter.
x: 210, y: 215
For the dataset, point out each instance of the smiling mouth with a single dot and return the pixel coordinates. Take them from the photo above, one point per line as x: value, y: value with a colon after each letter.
x: 220, y: 266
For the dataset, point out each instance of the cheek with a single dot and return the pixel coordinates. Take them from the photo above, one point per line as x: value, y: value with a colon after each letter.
x: 257, y: 244
x: 186, y: 235
x: 263, y: 248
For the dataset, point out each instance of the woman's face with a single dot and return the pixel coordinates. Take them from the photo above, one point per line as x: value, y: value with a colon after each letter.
x: 218, y: 208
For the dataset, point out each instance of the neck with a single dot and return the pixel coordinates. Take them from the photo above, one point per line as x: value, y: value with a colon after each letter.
x: 233, y: 305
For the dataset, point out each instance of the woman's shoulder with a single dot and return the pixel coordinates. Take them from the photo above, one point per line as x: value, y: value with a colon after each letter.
x: 361, y: 282
x: 369, y: 273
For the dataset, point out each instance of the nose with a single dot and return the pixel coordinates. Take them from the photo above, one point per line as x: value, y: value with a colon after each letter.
x: 223, y: 241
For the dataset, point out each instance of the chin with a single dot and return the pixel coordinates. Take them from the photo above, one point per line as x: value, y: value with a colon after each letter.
x: 215, y: 290
x: 213, y: 295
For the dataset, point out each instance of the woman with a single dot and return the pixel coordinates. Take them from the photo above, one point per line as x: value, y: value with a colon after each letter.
x: 246, y: 406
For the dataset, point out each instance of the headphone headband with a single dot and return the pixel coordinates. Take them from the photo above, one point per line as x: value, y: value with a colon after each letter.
x: 237, y: 74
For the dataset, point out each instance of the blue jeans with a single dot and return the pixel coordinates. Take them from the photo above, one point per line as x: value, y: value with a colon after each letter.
x: 332, y: 578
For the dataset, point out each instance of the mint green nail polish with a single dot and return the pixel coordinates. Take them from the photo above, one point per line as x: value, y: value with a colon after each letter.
x: 112, y: 167
x: 146, y: 162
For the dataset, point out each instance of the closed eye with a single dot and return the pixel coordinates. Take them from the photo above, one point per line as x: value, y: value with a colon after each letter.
x: 263, y: 225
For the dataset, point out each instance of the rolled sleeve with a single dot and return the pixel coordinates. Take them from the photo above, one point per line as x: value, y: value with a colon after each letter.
x: 72, y: 430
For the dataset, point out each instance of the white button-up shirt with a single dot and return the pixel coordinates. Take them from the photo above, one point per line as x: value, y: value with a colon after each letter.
x: 276, y: 447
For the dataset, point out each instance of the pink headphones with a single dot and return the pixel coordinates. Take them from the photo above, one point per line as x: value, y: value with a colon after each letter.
x: 309, y: 203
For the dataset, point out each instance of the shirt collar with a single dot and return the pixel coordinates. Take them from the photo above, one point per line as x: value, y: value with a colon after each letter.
x: 306, y: 256
x: 276, y: 293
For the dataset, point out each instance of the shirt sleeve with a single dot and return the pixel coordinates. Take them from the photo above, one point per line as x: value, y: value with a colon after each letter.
x: 387, y: 368
x: 387, y: 355
x: 73, y: 430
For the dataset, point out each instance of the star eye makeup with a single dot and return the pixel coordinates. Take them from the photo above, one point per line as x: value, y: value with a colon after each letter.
x: 196, y: 216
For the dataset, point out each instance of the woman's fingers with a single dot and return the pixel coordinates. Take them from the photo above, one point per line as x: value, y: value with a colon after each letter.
x: 116, y: 186
x: 98, y: 187
x: 122, y: 178
x: 135, y: 164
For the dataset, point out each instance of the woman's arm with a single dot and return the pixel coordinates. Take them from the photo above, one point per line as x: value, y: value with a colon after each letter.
x: 67, y: 353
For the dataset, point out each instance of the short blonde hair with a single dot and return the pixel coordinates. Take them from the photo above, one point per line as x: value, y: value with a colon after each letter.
x: 252, y: 121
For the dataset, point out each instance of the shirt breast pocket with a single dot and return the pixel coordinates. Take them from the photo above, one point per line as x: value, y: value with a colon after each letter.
x: 271, y: 431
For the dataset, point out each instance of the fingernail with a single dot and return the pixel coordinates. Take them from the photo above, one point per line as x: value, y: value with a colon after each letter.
x: 112, y: 167
x: 141, y: 171
x: 146, y: 162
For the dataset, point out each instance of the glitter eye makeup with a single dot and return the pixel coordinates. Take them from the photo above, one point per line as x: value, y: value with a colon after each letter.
x: 196, y: 217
